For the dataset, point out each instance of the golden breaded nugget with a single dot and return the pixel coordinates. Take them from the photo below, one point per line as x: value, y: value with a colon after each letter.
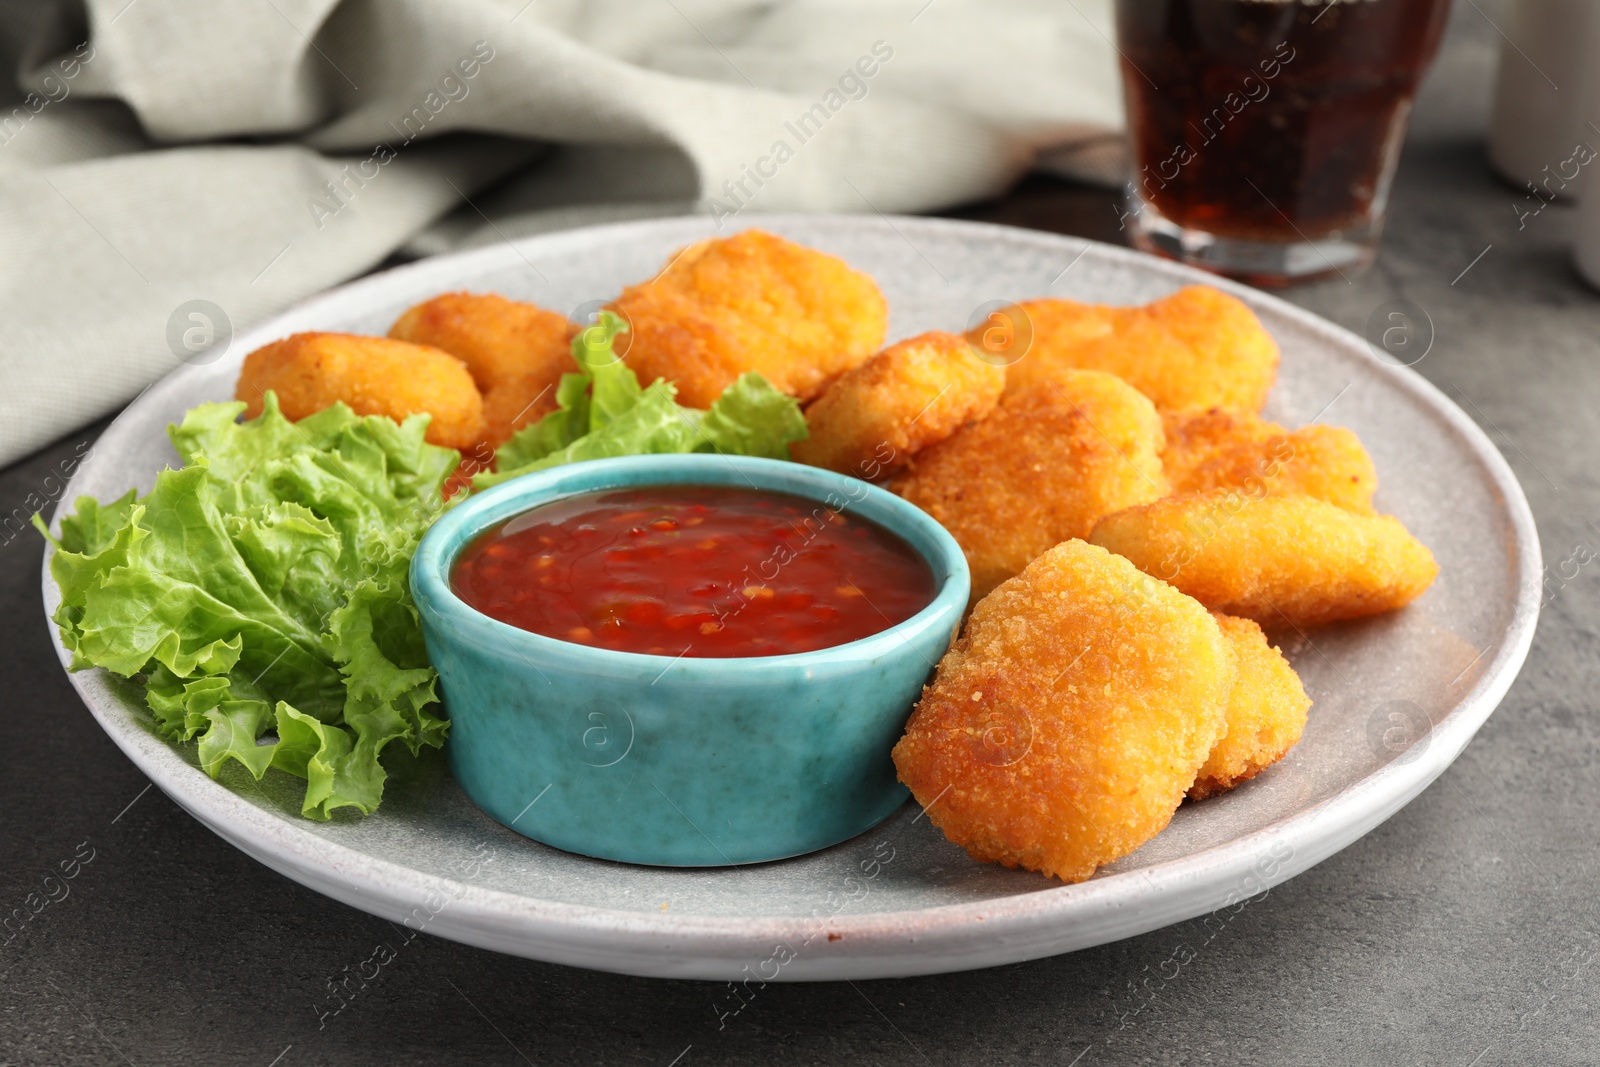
x: 1044, y: 467
x: 1218, y: 449
x: 374, y: 375
x: 1266, y: 712
x: 511, y: 405
x: 1063, y: 729
x: 499, y: 340
x: 1007, y: 335
x: 1198, y: 348
x: 1279, y: 560
x: 875, y: 417
x: 516, y: 352
x: 1197, y: 439
x: 751, y: 302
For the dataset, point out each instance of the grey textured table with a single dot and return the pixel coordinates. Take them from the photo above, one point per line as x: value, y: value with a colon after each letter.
x: 1464, y: 931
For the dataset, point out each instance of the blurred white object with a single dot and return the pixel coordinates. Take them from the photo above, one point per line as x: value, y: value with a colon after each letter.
x: 1540, y: 93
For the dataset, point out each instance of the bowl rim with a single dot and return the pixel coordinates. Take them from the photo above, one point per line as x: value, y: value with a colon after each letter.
x: 444, y: 541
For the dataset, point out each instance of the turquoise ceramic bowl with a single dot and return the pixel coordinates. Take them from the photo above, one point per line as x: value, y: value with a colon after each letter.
x: 680, y: 762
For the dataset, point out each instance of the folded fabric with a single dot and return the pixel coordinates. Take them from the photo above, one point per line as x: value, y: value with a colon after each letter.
x: 156, y: 153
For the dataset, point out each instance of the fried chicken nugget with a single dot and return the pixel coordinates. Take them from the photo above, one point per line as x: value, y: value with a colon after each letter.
x: 1044, y: 467
x: 1266, y: 712
x: 751, y: 302
x: 515, y: 351
x: 1196, y: 349
x: 511, y: 405
x: 373, y: 375
x: 1219, y: 449
x: 498, y: 339
x: 875, y: 417
x: 1279, y: 560
x: 1064, y: 727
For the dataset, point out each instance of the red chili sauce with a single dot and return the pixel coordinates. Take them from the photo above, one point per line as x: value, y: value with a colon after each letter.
x: 706, y: 571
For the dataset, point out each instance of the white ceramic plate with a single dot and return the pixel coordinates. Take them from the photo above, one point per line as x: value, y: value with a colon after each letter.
x: 1397, y: 697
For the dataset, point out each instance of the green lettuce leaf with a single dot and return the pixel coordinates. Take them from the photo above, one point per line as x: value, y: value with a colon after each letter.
x: 603, y: 412
x: 556, y: 430
x: 751, y: 418
x: 260, y: 594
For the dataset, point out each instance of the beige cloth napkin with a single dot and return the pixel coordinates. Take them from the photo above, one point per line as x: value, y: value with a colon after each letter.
x: 253, y: 152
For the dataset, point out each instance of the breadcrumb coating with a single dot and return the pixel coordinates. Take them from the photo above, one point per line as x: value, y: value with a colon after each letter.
x: 1064, y: 727
x: 1218, y: 449
x: 1266, y: 712
x: 1044, y: 467
x: 515, y: 351
x: 373, y: 375
x: 1280, y: 560
x: 1196, y: 349
x: 498, y: 339
x: 875, y: 417
x: 521, y: 401
x: 751, y: 302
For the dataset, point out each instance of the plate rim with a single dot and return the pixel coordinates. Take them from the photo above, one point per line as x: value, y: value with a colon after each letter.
x: 935, y: 939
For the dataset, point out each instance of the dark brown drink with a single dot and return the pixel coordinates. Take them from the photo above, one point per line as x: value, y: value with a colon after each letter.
x: 1269, y: 121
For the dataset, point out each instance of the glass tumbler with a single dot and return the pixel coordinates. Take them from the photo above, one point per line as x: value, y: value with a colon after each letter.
x: 1265, y: 132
